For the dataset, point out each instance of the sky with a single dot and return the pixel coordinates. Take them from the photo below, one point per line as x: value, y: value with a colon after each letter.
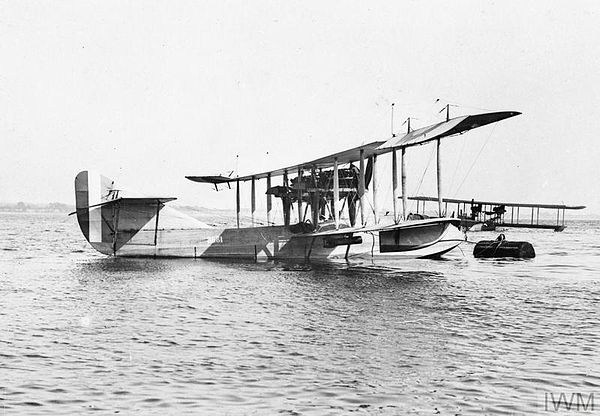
x: 147, y: 92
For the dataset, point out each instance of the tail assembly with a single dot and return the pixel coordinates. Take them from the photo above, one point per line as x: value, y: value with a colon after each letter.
x: 107, y: 219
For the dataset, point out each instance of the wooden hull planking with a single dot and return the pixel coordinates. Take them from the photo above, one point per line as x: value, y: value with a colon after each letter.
x: 276, y: 242
x: 145, y: 227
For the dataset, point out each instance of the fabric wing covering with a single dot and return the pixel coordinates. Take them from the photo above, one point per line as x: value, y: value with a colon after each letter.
x: 416, y: 137
x: 446, y: 128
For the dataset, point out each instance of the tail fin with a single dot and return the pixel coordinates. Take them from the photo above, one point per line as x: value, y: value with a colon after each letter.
x: 91, y: 190
x: 108, y: 220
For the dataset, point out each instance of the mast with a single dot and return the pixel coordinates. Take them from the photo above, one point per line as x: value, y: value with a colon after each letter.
x: 404, y: 195
x: 361, y: 186
x: 286, y: 201
x: 336, y: 193
x: 315, y: 200
x: 299, y: 184
x: 269, y: 202
x: 394, y: 174
x: 374, y: 181
x: 392, y: 127
x: 253, y: 199
x: 403, y: 173
x: 439, y: 168
x: 237, y: 202
x: 395, y: 185
x: 439, y: 179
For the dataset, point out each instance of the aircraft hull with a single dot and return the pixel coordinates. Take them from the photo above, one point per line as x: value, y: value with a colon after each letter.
x: 277, y: 242
x: 144, y: 227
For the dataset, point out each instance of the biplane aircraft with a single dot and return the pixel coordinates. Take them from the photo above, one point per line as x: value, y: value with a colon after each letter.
x: 490, y: 215
x: 321, y: 190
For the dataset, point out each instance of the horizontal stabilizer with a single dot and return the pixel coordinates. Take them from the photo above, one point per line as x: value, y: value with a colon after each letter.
x: 129, y: 201
x: 214, y: 179
x: 108, y: 220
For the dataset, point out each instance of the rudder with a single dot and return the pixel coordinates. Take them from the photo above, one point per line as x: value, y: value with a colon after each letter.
x: 107, y: 220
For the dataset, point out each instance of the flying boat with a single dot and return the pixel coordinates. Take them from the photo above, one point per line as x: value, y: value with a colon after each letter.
x: 330, y: 195
x: 487, y: 215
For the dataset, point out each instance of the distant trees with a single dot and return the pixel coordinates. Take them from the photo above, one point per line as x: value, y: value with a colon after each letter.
x: 58, y: 207
x: 31, y: 207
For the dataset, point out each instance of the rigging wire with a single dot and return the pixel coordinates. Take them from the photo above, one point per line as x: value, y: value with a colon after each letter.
x: 476, y: 157
x: 386, y: 197
x: 464, y: 105
x: 371, y: 200
x: 425, y: 171
x: 277, y: 211
x: 460, y: 156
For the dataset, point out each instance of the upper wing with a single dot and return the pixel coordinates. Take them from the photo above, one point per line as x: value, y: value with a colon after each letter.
x: 451, y: 127
x: 423, y: 135
x: 343, y: 157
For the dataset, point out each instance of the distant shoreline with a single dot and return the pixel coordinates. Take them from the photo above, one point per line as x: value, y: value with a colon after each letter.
x: 201, y: 212
x: 31, y: 207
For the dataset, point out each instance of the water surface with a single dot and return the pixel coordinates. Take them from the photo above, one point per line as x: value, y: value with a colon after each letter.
x: 80, y: 332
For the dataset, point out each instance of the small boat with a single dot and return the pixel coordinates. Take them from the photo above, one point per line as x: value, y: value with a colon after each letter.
x: 324, y: 191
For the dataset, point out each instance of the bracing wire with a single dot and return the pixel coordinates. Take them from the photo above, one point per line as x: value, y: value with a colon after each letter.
x: 386, y: 197
x: 376, y: 191
x: 460, y: 156
x: 464, y: 105
x: 475, y: 159
x: 425, y: 171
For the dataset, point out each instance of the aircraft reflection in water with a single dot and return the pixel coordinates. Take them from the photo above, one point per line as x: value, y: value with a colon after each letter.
x: 322, y: 191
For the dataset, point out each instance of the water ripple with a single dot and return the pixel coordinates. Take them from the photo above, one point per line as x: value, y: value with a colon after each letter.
x: 81, y: 332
